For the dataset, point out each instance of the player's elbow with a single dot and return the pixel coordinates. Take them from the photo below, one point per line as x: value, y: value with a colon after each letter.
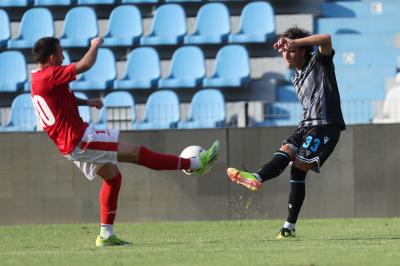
x: 327, y: 38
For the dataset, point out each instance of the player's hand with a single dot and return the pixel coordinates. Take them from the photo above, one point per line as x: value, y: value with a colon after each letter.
x: 284, y: 44
x: 96, y: 41
x: 98, y: 103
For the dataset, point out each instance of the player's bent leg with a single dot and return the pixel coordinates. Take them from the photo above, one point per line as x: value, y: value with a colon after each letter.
x: 108, y: 205
x: 243, y: 178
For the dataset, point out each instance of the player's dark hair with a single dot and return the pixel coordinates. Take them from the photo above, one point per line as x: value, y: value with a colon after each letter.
x: 298, y: 33
x: 44, y: 47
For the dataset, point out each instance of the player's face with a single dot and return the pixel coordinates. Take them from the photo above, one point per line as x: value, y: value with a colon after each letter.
x: 294, y: 58
x: 58, y: 57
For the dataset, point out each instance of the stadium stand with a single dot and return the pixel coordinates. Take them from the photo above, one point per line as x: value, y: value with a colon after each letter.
x: 162, y: 111
x: 139, y: 1
x: 101, y: 76
x: 207, y: 110
x: 80, y: 25
x: 36, y: 23
x: 168, y: 26
x: 96, y: 2
x: 118, y: 111
x: 124, y: 27
x: 5, y: 31
x: 359, y: 9
x: 212, y: 25
x: 22, y: 115
x: 187, y: 69
x: 13, y: 72
x: 142, y: 70
x: 84, y: 111
x: 391, y: 108
x: 286, y: 93
x: 14, y: 3
x: 53, y: 2
x: 257, y: 24
x: 231, y: 68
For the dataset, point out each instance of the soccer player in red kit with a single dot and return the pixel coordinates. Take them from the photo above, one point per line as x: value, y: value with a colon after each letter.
x: 95, y: 152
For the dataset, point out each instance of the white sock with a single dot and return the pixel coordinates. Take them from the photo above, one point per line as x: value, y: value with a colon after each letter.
x: 195, y: 163
x: 106, y: 230
x: 289, y: 226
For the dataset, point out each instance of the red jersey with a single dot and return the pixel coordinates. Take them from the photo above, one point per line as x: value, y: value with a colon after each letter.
x: 56, y: 106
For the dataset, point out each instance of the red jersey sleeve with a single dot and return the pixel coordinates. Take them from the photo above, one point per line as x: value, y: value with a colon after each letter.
x: 64, y: 74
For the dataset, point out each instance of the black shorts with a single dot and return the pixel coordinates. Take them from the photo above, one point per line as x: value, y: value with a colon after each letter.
x: 314, y: 144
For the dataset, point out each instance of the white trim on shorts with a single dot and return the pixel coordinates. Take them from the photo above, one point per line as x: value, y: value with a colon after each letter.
x: 97, y: 147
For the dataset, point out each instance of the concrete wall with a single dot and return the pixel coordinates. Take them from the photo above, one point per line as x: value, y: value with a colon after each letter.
x: 360, y: 179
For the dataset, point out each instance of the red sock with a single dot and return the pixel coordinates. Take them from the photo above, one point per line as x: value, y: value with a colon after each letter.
x: 109, y: 198
x: 159, y: 161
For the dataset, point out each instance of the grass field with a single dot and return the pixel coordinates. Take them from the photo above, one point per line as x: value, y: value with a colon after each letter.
x: 250, y: 242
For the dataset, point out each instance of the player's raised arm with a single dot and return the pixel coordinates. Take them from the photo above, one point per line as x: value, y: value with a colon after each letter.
x: 324, y: 42
x: 89, y: 58
x: 97, y: 102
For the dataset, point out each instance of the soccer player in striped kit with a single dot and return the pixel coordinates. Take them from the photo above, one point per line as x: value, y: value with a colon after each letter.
x: 320, y: 126
x: 95, y: 152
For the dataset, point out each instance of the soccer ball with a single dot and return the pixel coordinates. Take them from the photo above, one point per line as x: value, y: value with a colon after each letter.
x: 191, y: 152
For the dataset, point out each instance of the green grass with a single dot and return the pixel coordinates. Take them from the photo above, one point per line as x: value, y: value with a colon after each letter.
x: 250, y: 242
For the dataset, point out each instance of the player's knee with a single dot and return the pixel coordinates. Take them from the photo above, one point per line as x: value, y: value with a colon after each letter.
x: 108, y: 171
x: 304, y: 166
x: 286, y: 148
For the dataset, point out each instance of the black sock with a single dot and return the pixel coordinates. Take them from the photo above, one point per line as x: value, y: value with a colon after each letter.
x: 275, y: 167
x: 297, y: 193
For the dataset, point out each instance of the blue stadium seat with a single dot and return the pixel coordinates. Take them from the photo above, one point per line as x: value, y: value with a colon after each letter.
x: 118, y: 111
x: 5, y: 30
x: 36, y: 23
x: 282, y: 114
x: 366, y: 58
x: 231, y: 68
x: 142, y: 70
x: 343, y: 42
x: 357, y: 111
x: 13, y: 72
x: 101, y: 76
x: 286, y: 93
x: 361, y: 9
x: 168, y: 26
x: 187, y: 69
x: 124, y: 27
x: 53, y: 2
x: 162, y: 111
x: 212, y: 25
x: 140, y: 1
x: 96, y: 2
x: 80, y: 25
x: 207, y: 110
x: 182, y: 1
x: 257, y: 24
x: 14, y: 3
x: 22, y: 115
x: 84, y: 111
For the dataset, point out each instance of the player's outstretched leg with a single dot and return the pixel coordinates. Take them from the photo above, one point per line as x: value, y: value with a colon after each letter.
x: 243, y: 178
x: 285, y: 233
x: 111, y: 241
x: 208, y: 158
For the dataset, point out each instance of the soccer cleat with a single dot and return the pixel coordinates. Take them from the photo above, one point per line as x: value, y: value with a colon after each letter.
x: 286, y: 233
x: 243, y: 178
x: 207, y: 159
x: 111, y: 241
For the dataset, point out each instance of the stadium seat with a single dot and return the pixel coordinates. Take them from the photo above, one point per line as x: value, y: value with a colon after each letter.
x: 84, y: 111
x: 80, y: 25
x: 362, y: 42
x: 168, y: 26
x: 231, y: 68
x: 207, y: 110
x: 96, y: 2
x: 142, y: 70
x: 391, y: 107
x: 257, y: 24
x: 212, y: 25
x: 187, y: 69
x: 13, y: 72
x: 5, y: 30
x: 22, y: 115
x: 357, y: 111
x: 140, y: 1
x: 36, y: 23
x: 282, y: 114
x: 183, y: 1
x: 124, y: 27
x: 15, y: 3
x: 366, y: 58
x: 118, y: 111
x: 286, y: 93
x: 162, y: 111
x: 361, y: 9
x: 53, y: 2
x: 101, y: 76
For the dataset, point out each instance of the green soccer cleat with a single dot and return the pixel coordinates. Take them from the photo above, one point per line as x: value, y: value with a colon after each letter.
x: 243, y: 178
x: 111, y: 241
x: 207, y: 159
x: 286, y: 233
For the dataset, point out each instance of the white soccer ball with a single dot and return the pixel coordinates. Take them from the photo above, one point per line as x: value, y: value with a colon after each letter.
x: 191, y: 152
